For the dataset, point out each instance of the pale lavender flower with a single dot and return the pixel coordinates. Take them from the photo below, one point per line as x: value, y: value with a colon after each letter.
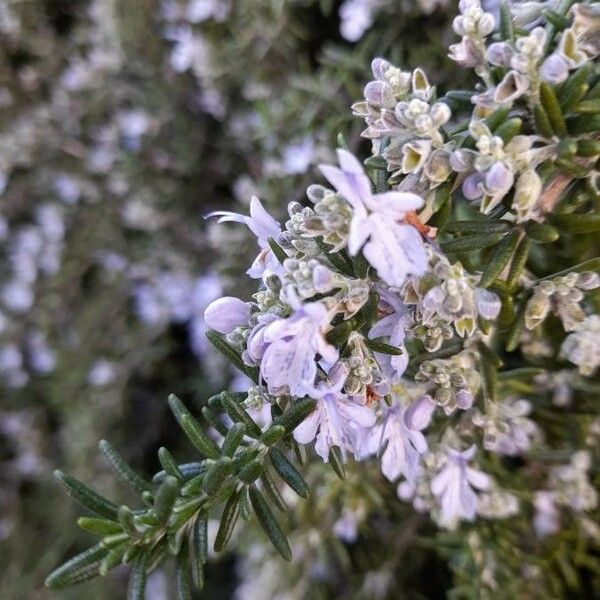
x: 466, y: 53
x: 546, y: 518
x: 401, y: 430
x: 336, y: 418
x: 392, y: 326
x: 256, y: 344
x: 394, y: 248
x: 554, y: 69
x: 506, y: 428
x: 453, y: 487
x: 289, y: 360
x: 346, y: 527
x: 512, y: 87
x: 298, y: 156
x: 227, y: 313
x: 41, y: 357
x: 103, y: 372
x: 499, y: 54
x: 189, y: 50
x: 201, y: 10
x: 17, y: 296
x: 263, y: 226
x: 356, y: 18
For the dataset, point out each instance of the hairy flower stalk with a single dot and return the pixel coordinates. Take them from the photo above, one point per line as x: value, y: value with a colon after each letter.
x: 394, y: 319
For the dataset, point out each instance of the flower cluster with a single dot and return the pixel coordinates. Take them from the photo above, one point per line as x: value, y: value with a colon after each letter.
x: 398, y: 319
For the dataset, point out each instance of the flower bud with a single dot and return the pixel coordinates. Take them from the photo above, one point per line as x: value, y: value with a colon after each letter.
x: 225, y: 314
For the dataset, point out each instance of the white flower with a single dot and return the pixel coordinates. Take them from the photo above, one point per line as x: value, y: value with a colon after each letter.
x: 394, y: 248
x: 582, y: 347
x: 292, y: 345
x: 393, y: 326
x: 336, y: 419
x: 401, y: 430
x: 546, y: 519
x: 227, y: 313
x: 453, y: 488
x: 263, y: 226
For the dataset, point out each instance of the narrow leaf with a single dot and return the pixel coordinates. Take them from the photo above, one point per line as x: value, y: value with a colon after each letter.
x: 231, y: 354
x: 87, y: 497
x: 137, y: 580
x: 336, y: 461
x: 214, y: 420
x: 518, y: 262
x: 478, y: 226
x: 514, y: 334
x: 169, y: 464
x: 543, y: 233
x: 272, y: 435
x: 577, y: 223
x: 111, y: 560
x: 233, y: 439
x: 471, y: 243
x: 269, y: 523
x: 99, y: 526
x: 269, y: 486
x: 542, y: 121
x: 216, y: 475
x: 288, y: 472
x: 192, y: 429
x: 506, y: 22
x: 123, y: 470
x: 509, y: 129
x: 165, y: 498
x: 384, y: 348
x: 277, y: 250
x: 65, y: 574
x: 251, y: 472
x: 502, y: 254
x: 229, y: 519
x: 182, y: 584
x: 238, y: 415
x: 296, y: 414
x: 553, y: 110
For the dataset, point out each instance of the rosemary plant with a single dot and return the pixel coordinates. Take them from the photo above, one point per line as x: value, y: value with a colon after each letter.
x: 433, y: 310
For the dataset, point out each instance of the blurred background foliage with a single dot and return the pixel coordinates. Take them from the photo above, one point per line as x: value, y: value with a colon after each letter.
x: 121, y: 124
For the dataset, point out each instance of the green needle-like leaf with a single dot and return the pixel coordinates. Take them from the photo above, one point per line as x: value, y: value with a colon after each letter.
x: 165, y: 498
x: 296, y: 414
x: 577, y: 223
x: 272, y: 435
x: 87, y: 497
x: 137, y: 580
x: 552, y: 107
x: 192, y: 429
x: 471, y: 243
x: 182, y: 584
x: 238, y: 415
x: 99, y: 526
x: 518, y: 262
x: 229, y: 519
x: 384, y: 348
x: 70, y: 571
x: 502, y: 254
x: 288, y: 472
x: 277, y: 250
x: 269, y: 523
x: 123, y: 470
x: 169, y: 464
x: 231, y: 354
x: 216, y: 475
x: 336, y: 461
x: 233, y: 439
